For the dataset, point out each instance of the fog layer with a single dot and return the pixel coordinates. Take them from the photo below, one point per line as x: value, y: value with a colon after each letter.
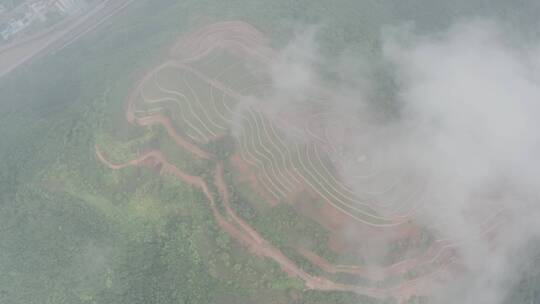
x: 465, y: 135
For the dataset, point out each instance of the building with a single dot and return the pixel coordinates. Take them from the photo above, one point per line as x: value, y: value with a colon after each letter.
x: 39, y: 9
x: 69, y: 7
x: 16, y: 25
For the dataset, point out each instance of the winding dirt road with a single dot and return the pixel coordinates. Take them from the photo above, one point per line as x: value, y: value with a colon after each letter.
x: 240, y: 37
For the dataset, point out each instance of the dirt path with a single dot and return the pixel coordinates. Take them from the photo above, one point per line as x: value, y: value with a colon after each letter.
x: 248, y: 176
x: 171, y: 131
x: 245, y: 39
x: 247, y: 235
x: 224, y: 193
x: 236, y: 36
x: 376, y: 273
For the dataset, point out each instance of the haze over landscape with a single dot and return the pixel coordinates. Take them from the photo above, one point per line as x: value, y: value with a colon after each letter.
x: 269, y: 152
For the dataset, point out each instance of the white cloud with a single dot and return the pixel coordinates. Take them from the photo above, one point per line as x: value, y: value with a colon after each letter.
x: 468, y: 127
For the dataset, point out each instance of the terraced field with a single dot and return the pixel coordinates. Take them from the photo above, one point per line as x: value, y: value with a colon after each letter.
x: 217, y: 84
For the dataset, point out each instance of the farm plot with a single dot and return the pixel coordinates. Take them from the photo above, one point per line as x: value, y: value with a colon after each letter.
x: 215, y: 84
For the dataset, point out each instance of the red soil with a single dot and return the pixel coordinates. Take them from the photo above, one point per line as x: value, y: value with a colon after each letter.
x: 178, y: 139
x: 436, y: 254
x: 224, y: 193
x: 245, y: 235
x: 340, y: 225
x: 246, y: 41
x: 235, y: 36
x: 247, y: 175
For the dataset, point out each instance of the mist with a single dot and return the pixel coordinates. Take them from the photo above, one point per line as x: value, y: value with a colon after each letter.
x: 304, y: 152
x: 464, y: 134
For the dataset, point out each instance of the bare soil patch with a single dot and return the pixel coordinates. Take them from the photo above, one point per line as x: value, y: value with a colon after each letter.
x: 279, y: 169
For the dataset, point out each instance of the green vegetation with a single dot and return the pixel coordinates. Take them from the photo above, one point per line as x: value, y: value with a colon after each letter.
x: 74, y: 231
x: 317, y: 297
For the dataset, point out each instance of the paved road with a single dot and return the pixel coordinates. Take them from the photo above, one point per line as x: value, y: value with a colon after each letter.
x: 53, y: 41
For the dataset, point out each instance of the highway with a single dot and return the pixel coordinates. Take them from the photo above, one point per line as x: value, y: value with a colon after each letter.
x: 64, y: 34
